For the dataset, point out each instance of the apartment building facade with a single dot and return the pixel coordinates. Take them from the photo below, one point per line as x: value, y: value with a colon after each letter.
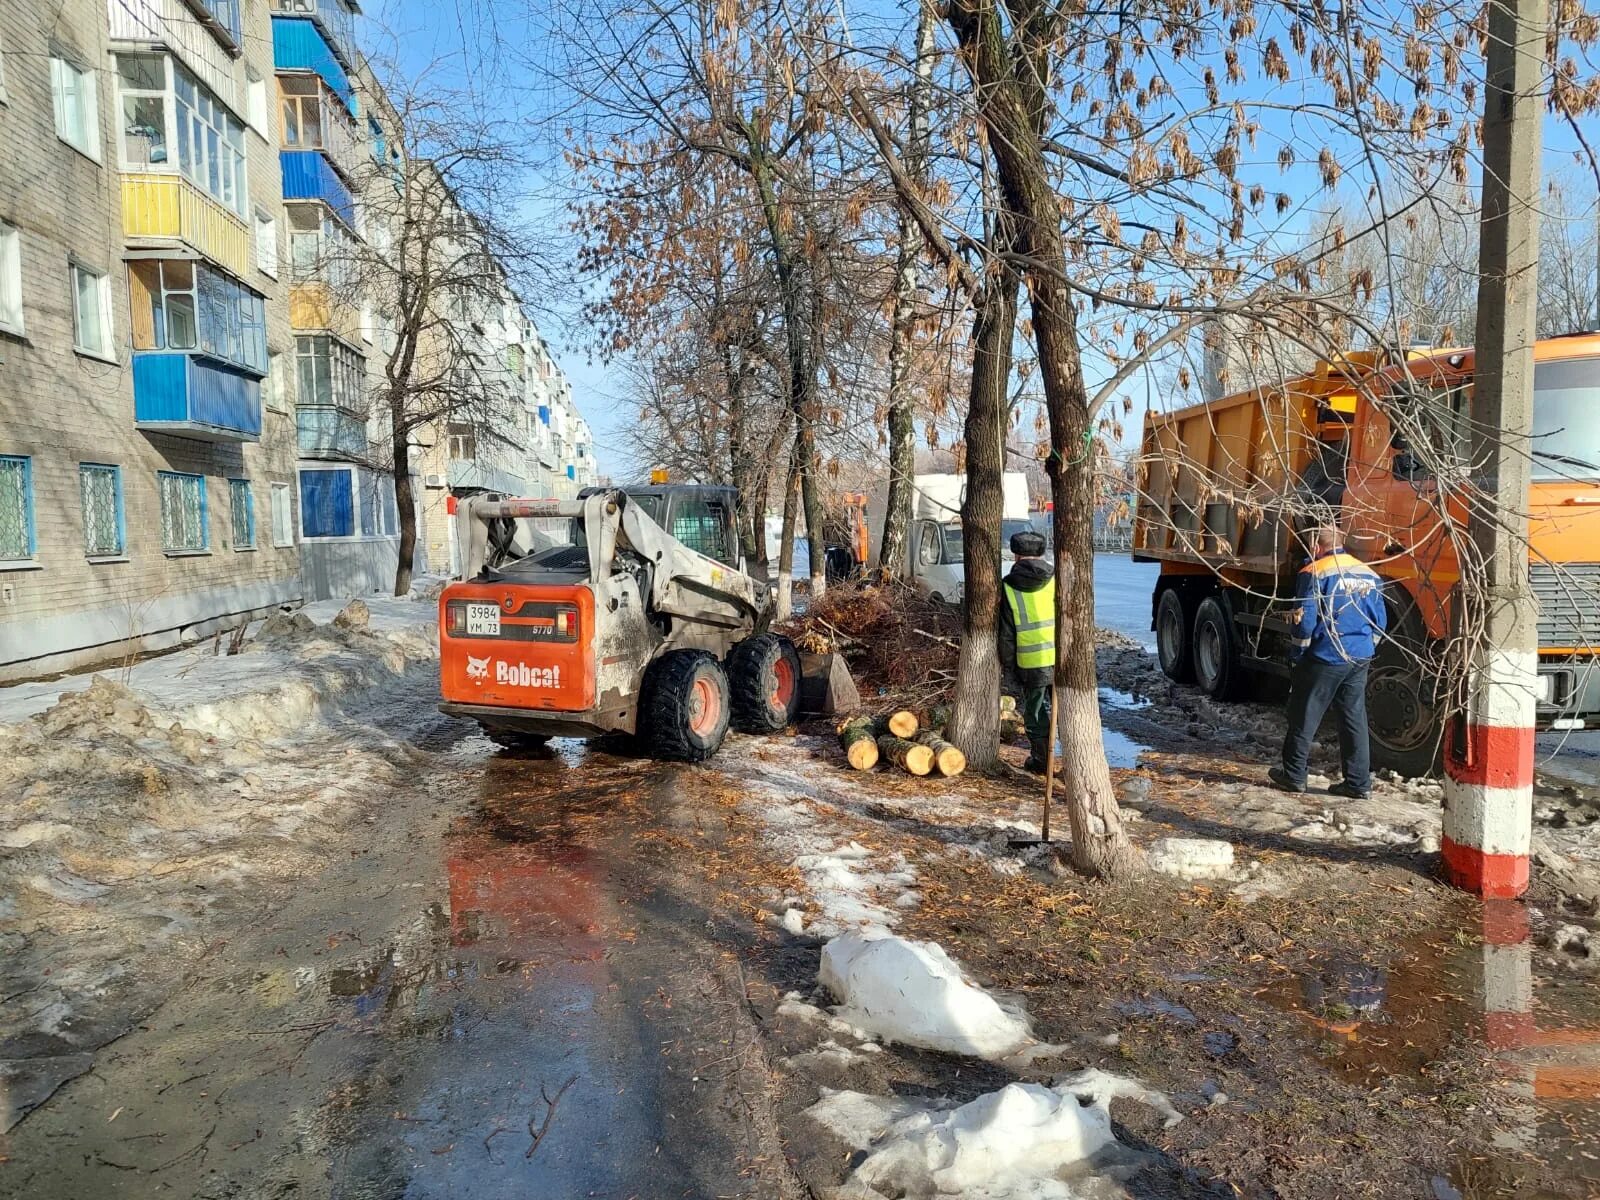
x: 147, y: 438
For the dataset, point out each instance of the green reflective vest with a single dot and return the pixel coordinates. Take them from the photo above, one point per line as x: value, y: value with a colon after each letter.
x: 1034, y: 614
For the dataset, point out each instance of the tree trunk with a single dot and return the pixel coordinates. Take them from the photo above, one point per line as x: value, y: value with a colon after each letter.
x: 902, y: 407
x: 791, y: 504
x: 816, y: 542
x: 975, y: 721
x: 405, y: 505
x: 1012, y: 101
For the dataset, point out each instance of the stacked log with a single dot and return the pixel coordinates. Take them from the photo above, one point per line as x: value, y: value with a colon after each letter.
x: 909, y: 756
x: 902, y: 724
x: 950, y: 761
x: 859, y: 737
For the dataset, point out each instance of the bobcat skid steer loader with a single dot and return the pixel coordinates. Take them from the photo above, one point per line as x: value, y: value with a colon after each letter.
x: 583, y: 618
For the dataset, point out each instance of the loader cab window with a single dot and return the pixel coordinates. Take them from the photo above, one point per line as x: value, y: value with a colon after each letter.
x: 702, y: 525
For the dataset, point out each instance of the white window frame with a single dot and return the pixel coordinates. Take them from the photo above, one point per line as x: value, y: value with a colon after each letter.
x: 107, y: 352
x: 5, y: 97
x: 11, y: 313
x: 67, y: 78
x: 266, y: 236
x: 272, y: 389
x: 282, y: 511
x: 258, y: 108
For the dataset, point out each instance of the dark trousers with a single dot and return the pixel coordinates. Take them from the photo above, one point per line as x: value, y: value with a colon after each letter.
x: 1314, y: 688
x: 1036, y: 716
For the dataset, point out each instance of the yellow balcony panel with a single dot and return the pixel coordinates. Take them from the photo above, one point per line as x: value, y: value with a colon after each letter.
x: 315, y: 306
x: 169, y: 206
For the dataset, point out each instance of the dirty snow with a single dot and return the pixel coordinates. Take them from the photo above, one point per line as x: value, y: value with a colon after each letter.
x: 1023, y: 1142
x: 142, y: 802
x: 916, y: 994
x: 1191, y: 858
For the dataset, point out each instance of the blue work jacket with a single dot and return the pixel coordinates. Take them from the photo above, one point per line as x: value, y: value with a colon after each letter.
x: 1340, y: 612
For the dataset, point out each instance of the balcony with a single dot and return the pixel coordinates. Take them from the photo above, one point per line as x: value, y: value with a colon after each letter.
x: 299, y: 44
x: 313, y: 119
x: 193, y: 396
x: 167, y: 207
x: 172, y: 23
x: 329, y: 433
x: 334, y: 20
x: 471, y: 474
x: 307, y: 175
x: 315, y: 306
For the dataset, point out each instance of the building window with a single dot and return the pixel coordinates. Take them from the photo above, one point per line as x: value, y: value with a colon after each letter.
x: 463, y: 442
x: 303, y: 112
x: 210, y: 144
x: 274, y: 397
x: 225, y: 13
x: 329, y: 373
x: 256, y: 103
x: 3, y: 96
x: 326, y: 510
x: 101, y: 488
x: 242, y: 505
x: 183, y: 513
x: 266, y: 244
x: 282, y: 515
x: 76, y: 105
x: 16, y: 508
x: 91, y: 311
x: 379, y: 515
x: 10, y: 279
x: 142, y: 81
x: 321, y: 248
x: 178, y: 304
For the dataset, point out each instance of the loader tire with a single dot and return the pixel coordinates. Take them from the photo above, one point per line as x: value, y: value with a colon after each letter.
x: 684, y: 711
x: 764, y: 675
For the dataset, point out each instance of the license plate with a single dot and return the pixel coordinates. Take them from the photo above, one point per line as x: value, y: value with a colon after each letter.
x: 483, y: 620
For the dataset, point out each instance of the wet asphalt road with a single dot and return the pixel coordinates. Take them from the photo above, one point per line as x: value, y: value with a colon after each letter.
x: 506, y: 997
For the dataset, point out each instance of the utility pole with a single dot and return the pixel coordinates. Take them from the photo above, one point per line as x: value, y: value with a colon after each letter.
x: 1488, y: 795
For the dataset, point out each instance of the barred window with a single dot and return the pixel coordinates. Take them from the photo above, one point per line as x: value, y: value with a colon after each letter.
x: 243, y: 505
x: 183, y: 513
x: 16, y: 507
x: 101, y: 487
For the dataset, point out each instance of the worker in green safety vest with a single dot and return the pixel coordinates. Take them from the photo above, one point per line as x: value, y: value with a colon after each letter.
x: 1028, y: 638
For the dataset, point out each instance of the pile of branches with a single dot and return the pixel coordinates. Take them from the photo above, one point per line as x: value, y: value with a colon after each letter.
x: 895, y: 640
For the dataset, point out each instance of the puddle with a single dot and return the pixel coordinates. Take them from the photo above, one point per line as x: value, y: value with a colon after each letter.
x: 1111, y: 697
x: 1155, y: 1006
x: 1122, y: 750
x: 1494, y: 988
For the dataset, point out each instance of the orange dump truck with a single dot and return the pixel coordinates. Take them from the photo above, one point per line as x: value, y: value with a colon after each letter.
x: 1226, y: 486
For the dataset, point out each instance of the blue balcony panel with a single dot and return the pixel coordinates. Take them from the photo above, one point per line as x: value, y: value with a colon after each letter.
x: 196, y: 397
x: 329, y: 433
x: 544, y: 413
x: 299, y: 45
x: 308, y: 175
x: 572, y: 472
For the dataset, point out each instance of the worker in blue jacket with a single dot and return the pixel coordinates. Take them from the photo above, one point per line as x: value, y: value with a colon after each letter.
x: 1338, y: 620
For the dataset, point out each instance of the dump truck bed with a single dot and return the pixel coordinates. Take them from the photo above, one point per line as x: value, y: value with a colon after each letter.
x: 1219, y: 482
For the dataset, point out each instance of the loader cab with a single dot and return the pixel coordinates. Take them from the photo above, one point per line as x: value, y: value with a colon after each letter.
x: 703, y: 518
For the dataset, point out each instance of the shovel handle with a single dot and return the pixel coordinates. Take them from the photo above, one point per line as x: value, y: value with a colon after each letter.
x: 1050, y: 764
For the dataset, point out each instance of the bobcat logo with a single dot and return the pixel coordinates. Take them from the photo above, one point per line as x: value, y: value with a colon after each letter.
x: 477, y: 668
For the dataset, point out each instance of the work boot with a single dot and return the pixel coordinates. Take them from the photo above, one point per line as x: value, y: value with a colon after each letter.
x: 1281, y: 781
x: 1348, y: 790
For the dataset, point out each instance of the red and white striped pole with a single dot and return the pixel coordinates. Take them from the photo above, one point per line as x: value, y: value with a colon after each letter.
x: 1489, y: 763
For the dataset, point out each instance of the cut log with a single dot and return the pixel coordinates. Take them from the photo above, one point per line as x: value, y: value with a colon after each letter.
x: 902, y: 724
x: 860, y: 742
x: 950, y: 761
x: 908, y: 756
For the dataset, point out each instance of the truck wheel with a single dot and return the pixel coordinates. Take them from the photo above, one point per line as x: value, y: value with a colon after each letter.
x: 514, y: 739
x: 1216, y: 650
x: 1172, y: 637
x: 684, y: 709
x: 1405, y: 719
x: 764, y: 676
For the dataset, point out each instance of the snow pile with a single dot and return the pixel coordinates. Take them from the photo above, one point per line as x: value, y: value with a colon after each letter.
x: 845, y: 885
x: 1023, y: 1142
x: 916, y: 994
x: 1191, y: 858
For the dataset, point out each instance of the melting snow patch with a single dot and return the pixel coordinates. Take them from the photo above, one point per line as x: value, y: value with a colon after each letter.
x: 1191, y: 858
x: 1023, y: 1142
x: 915, y: 993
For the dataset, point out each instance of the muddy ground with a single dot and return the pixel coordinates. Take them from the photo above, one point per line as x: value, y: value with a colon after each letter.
x: 577, y: 973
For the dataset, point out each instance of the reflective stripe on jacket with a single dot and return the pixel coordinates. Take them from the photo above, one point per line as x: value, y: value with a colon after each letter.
x: 1034, y: 614
x: 1340, y: 610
